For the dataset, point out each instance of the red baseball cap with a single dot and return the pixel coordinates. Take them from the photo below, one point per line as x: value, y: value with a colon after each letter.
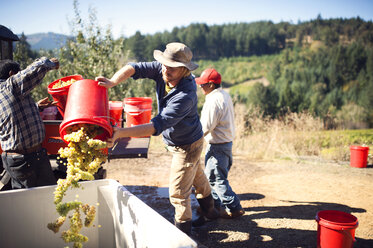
x: 209, y: 76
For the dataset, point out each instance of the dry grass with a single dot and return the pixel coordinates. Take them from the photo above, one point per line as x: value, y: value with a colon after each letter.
x: 294, y: 136
x: 261, y: 137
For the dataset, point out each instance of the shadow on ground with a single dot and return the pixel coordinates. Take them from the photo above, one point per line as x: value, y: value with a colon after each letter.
x: 244, y: 231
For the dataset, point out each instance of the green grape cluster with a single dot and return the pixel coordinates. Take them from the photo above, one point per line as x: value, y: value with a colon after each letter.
x: 61, y: 83
x: 84, y: 157
x: 90, y: 212
x: 55, y: 226
x: 73, y: 234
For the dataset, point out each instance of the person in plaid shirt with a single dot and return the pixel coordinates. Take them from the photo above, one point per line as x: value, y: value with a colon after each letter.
x: 21, y: 127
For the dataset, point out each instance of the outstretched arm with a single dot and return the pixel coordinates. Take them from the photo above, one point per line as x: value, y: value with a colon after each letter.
x: 123, y: 74
x: 134, y: 131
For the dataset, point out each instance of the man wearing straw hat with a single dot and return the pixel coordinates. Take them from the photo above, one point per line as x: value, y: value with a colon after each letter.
x: 178, y: 121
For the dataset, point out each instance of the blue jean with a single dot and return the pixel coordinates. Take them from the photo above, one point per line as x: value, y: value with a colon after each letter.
x: 218, y: 162
x: 30, y: 170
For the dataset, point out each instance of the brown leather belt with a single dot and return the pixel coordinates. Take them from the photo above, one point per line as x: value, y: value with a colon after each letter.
x: 24, y: 152
x: 220, y: 143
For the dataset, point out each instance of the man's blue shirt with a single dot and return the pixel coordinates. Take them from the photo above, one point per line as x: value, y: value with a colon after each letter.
x: 177, y: 118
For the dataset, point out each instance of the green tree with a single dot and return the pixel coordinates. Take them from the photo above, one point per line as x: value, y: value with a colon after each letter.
x: 23, y: 53
x: 137, y: 46
x: 92, y: 53
x: 264, y: 98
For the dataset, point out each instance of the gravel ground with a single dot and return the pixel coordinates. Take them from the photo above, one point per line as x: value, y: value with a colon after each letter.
x: 281, y: 198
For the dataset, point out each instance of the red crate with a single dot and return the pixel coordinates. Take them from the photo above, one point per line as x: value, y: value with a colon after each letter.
x: 53, y: 141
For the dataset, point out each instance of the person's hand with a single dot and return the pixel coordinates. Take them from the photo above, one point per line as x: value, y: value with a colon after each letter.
x: 111, y: 141
x: 55, y: 60
x: 103, y: 81
x: 45, y: 103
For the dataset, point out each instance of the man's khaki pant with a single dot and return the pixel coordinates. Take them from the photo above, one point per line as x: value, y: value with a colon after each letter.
x: 187, y: 171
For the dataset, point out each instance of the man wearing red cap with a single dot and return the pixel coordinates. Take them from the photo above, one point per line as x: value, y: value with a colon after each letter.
x: 217, y: 120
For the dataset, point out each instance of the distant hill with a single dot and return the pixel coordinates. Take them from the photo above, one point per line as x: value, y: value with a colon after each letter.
x: 46, y: 41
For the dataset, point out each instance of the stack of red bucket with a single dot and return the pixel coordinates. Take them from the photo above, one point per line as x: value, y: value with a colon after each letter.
x: 138, y: 110
x: 116, y: 112
x: 83, y: 102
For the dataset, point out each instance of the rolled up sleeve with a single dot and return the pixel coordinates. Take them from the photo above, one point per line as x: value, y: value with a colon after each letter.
x: 149, y: 70
x: 172, y: 114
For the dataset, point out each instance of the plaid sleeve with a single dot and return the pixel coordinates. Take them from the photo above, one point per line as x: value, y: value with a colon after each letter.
x: 27, y: 79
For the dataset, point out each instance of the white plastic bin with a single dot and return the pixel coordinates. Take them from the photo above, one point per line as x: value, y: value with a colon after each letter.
x: 125, y: 220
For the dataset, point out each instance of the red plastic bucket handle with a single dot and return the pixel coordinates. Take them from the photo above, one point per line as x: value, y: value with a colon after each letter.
x: 111, y: 118
x: 348, y: 234
x: 135, y: 113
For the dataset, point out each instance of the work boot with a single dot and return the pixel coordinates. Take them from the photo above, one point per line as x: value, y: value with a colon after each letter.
x: 185, y: 227
x: 231, y: 214
x: 200, y: 221
x: 207, y: 208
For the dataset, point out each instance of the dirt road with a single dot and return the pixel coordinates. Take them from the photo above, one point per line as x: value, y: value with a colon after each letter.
x: 281, y: 198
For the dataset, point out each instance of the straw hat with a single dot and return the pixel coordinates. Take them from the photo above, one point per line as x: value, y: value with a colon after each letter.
x: 175, y: 55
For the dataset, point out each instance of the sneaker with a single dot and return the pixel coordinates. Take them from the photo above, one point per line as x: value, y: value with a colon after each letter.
x: 231, y: 214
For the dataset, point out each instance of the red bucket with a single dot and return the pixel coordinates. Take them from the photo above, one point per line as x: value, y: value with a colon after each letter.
x: 335, y: 229
x: 87, y: 103
x: 60, y: 94
x: 116, y: 109
x: 138, y: 110
x: 359, y: 156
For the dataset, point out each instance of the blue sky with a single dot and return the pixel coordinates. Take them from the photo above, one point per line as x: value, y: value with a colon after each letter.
x: 150, y: 16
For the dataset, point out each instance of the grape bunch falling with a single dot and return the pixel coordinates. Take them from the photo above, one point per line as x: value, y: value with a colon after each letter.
x: 84, y: 157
